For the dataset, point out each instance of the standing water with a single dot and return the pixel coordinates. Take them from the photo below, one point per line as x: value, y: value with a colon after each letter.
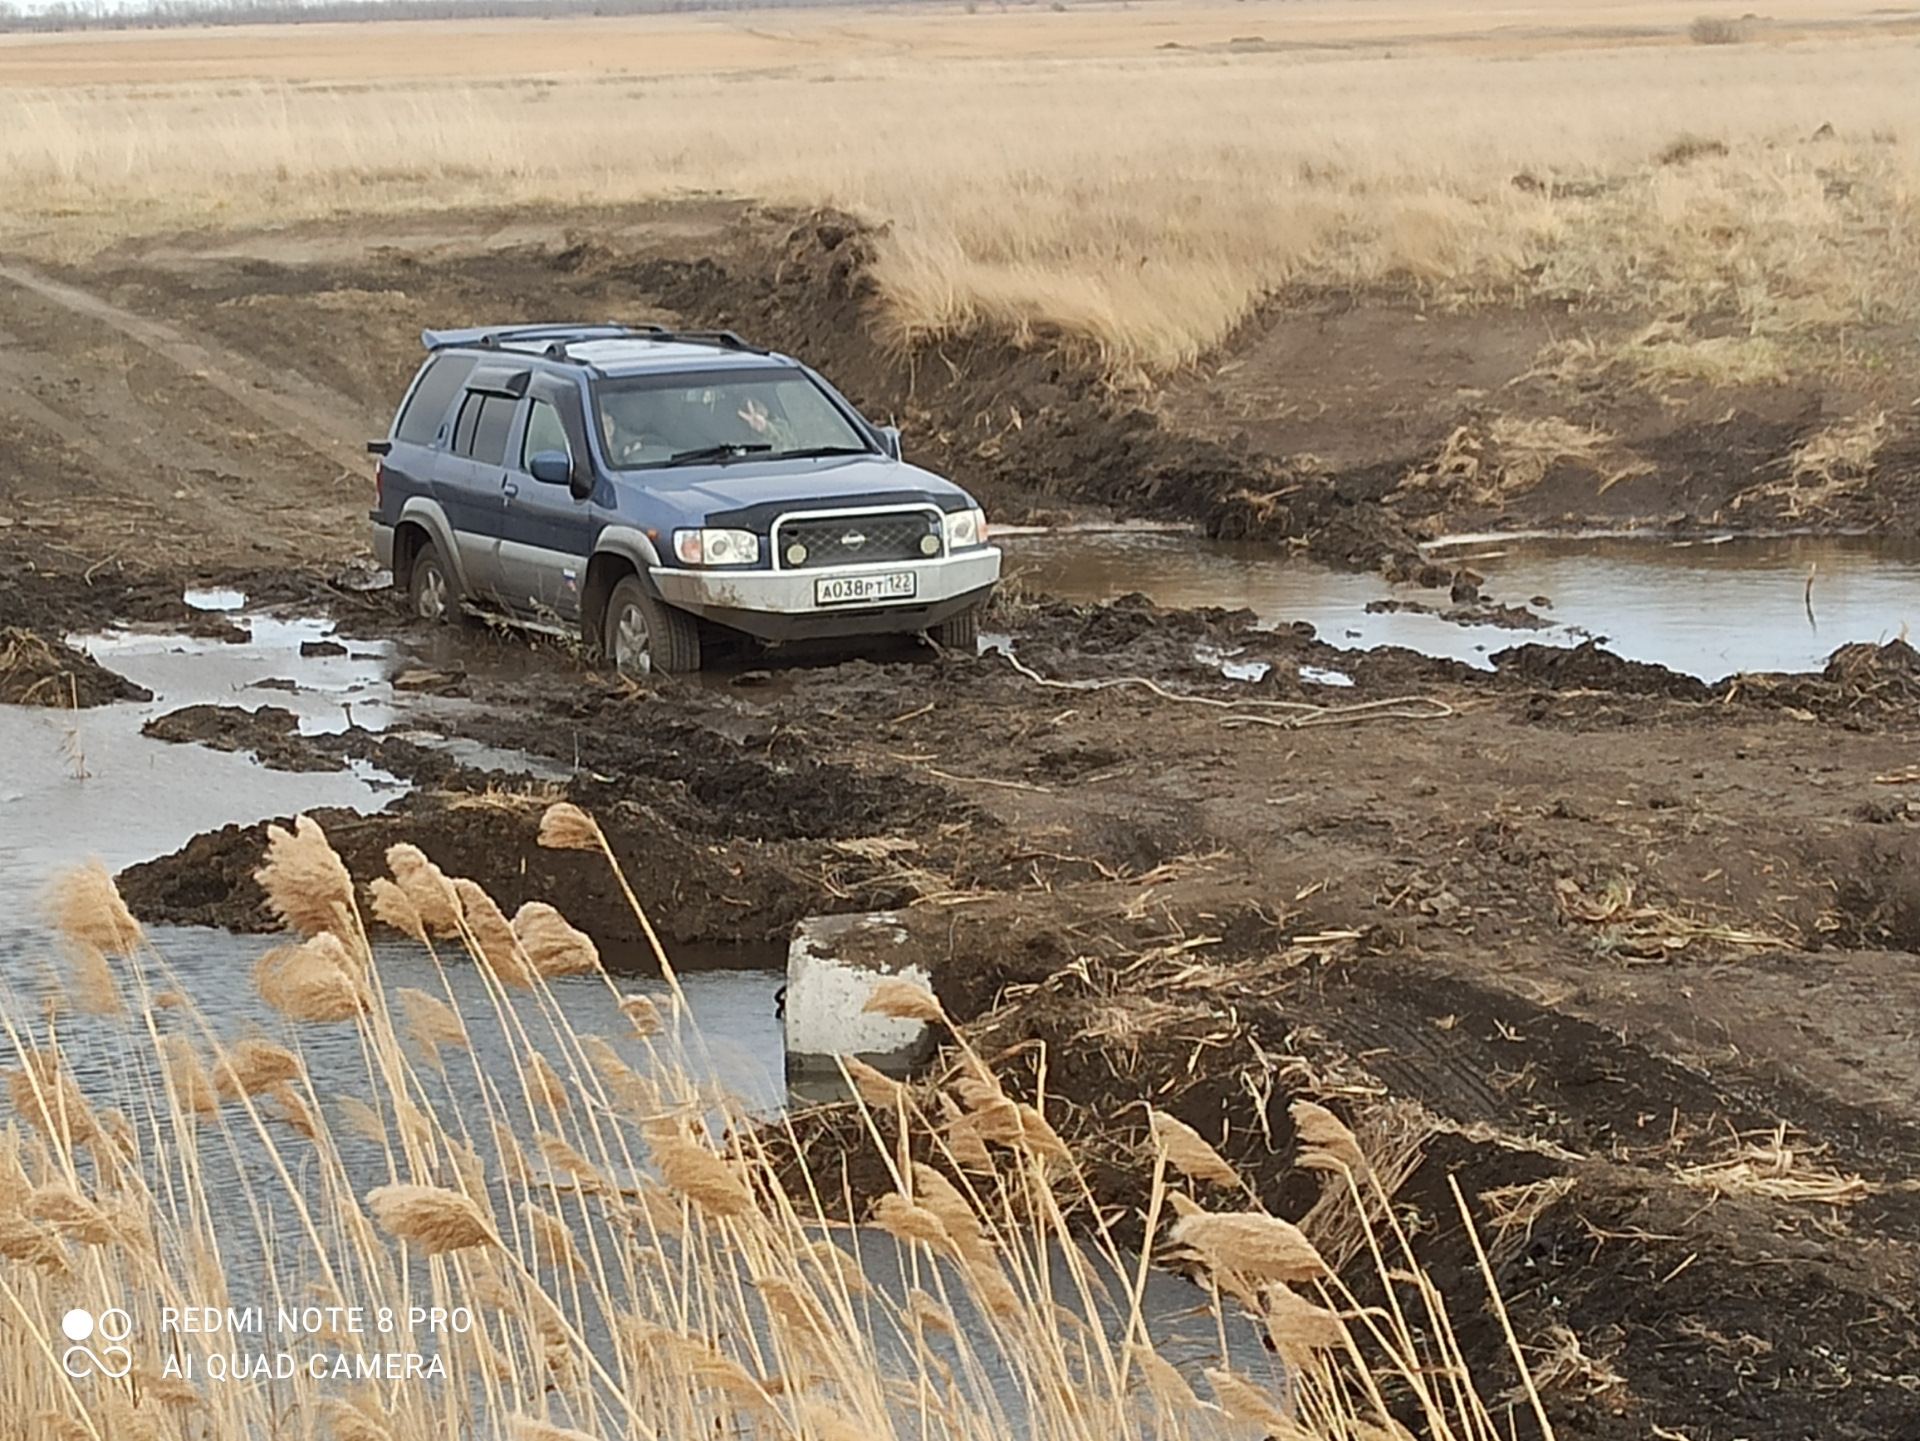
x: 1705, y: 608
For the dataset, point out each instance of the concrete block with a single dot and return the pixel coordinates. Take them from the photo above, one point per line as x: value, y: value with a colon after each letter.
x: 834, y: 964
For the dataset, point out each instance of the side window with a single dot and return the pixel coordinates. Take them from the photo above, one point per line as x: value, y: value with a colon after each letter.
x: 464, y: 427
x: 481, y: 430
x: 490, y: 435
x: 426, y: 407
x: 544, y: 432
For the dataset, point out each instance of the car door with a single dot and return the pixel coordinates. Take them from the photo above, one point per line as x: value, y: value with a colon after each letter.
x: 469, y: 480
x: 549, y: 531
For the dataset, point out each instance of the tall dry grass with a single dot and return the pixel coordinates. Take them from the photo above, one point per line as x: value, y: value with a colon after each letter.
x: 633, y: 1266
x: 1144, y: 203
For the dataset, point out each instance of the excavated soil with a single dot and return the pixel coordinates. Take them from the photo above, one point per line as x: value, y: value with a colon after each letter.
x: 1587, y: 927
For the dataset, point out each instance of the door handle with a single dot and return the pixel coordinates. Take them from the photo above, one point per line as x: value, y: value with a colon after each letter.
x: 509, y: 490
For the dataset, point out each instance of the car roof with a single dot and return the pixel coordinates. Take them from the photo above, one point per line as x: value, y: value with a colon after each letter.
x: 612, y: 349
x: 646, y: 357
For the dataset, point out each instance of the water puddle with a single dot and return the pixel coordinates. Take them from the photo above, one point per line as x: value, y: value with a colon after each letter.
x: 89, y: 783
x: 297, y: 664
x: 1708, y: 609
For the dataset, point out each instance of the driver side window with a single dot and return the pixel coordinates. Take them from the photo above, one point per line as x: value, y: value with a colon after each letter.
x: 544, y: 432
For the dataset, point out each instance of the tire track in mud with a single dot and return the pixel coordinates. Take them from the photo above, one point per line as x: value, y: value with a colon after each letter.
x: 1475, y: 1054
x: 323, y: 424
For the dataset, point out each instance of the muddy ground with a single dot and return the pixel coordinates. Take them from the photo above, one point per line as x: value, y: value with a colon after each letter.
x: 1605, y: 925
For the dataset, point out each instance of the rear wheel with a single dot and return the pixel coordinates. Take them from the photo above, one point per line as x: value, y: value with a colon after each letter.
x: 958, y: 632
x: 642, y: 634
x: 430, y: 589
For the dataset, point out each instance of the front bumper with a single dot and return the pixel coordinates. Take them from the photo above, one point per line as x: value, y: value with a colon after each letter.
x: 779, y: 604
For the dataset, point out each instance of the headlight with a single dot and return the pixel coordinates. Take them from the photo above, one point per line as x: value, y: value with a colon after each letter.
x: 966, y: 528
x: 716, y: 547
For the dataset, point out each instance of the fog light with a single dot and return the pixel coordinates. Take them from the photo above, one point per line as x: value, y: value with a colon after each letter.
x: 929, y: 545
x: 796, y: 554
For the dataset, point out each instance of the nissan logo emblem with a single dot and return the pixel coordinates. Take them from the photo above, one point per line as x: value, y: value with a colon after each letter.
x: 853, y: 540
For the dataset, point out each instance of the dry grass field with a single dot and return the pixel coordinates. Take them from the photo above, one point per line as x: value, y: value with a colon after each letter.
x: 1140, y: 176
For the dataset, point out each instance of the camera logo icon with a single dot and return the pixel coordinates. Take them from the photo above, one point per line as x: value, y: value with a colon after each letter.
x: 111, y: 1326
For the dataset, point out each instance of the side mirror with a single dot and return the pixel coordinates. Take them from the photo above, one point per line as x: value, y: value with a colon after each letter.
x: 890, y: 441
x: 551, y: 467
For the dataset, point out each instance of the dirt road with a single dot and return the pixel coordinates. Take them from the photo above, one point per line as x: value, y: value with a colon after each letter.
x: 1584, y: 935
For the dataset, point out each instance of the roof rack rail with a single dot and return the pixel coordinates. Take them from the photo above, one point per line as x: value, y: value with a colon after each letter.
x: 728, y: 338
x: 553, y: 340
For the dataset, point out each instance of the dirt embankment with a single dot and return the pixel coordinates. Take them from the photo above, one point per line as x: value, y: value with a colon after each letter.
x: 1349, y: 425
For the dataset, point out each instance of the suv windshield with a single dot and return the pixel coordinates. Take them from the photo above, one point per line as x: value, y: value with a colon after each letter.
x: 714, y: 416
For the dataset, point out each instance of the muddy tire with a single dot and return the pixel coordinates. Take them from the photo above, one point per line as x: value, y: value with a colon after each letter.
x: 958, y: 632
x: 639, y: 634
x: 431, y: 593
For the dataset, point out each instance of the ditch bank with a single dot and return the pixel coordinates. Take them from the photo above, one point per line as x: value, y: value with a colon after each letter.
x: 1352, y: 426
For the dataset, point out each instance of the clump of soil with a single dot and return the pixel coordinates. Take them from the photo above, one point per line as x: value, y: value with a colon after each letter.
x: 1861, y: 684
x: 1588, y: 667
x: 271, y: 733
x: 38, y: 671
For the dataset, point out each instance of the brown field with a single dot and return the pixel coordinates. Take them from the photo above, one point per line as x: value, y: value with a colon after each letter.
x: 1141, y: 177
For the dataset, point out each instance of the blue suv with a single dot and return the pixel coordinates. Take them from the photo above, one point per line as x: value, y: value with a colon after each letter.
x: 631, y: 483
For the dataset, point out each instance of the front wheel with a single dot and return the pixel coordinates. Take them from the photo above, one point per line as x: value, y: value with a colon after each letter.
x: 641, y: 634
x: 958, y: 632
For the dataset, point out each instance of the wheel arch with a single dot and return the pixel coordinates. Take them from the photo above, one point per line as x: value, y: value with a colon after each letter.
x: 422, y: 521
x: 620, y: 551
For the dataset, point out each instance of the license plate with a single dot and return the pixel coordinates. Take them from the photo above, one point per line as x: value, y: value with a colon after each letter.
x: 852, y: 589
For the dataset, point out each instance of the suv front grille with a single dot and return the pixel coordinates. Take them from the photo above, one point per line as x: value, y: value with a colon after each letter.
x: 803, y: 543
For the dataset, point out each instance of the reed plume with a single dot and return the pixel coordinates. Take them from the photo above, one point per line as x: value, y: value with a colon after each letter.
x: 94, y: 987
x: 394, y: 907
x: 553, y: 946
x: 552, y: 1242
x: 565, y: 827
x: 1244, y: 1401
x: 1298, y: 1328
x: 191, y: 1084
x: 495, y: 944
x: 1188, y: 1151
x: 426, y: 888
x: 306, y: 882
x: 905, y: 1001
x: 642, y: 1013
x: 431, y: 1219
x: 1251, y: 1244
x: 317, y: 980
x: 432, y: 1022
x: 877, y: 1090
x: 251, y: 1066
x: 695, y: 1172
x: 89, y: 911
x: 1327, y: 1137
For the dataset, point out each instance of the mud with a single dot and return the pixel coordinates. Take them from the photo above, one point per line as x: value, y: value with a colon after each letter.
x: 1600, y: 921
x: 38, y: 671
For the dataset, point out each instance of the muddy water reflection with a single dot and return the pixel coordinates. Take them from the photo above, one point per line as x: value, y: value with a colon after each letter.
x: 1704, y: 608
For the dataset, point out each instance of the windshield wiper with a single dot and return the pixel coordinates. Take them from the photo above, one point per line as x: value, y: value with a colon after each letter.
x: 817, y: 450
x: 714, y: 452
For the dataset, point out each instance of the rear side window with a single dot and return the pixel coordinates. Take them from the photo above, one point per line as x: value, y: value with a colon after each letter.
x: 481, y: 430
x: 426, y: 407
